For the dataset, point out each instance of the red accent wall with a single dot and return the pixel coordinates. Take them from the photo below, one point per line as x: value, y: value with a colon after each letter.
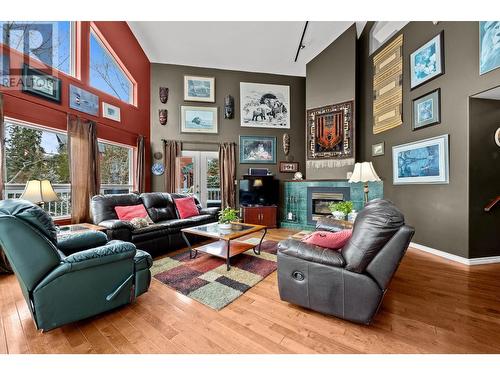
x: 134, y: 119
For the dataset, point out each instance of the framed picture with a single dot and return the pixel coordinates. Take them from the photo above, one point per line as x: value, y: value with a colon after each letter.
x: 264, y: 106
x: 4, y: 69
x: 203, y: 120
x: 489, y: 51
x: 427, y: 62
x: 83, y: 101
x: 378, y: 149
x: 41, y: 84
x: 289, y: 166
x: 110, y: 111
x: 421, y: 162
x: 257, y: 149
x: 427, y: 110
x: 199, y: 89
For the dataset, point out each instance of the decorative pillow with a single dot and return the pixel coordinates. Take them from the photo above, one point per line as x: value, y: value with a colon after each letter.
x: 186, y: 207
x: 127, y: 213
x: 330, y: 240
x: 139, y: 222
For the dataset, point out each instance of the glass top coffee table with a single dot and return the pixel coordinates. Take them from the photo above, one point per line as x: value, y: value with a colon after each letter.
x: 226, y: 245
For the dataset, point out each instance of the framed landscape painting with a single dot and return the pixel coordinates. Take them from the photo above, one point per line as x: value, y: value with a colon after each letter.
x: 427, y: 110
x: 257, y: 150
x: 421, y: 162
x: 427, y: 62
x: 199, y: 89
x: 264, y: 106
x: 489, y: 46
x: 202, y: 120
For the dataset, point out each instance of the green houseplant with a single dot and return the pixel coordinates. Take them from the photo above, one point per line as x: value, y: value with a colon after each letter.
x: 341, y: 209
x: 227, y: 216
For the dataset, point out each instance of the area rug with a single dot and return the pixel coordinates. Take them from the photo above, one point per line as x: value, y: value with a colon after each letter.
x: 206, y: 280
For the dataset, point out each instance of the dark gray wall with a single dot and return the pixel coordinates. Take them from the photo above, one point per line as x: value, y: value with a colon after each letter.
x: 330, y: 79
x: 484, y: 177
x: 226, y: 82
x: 439, y: 212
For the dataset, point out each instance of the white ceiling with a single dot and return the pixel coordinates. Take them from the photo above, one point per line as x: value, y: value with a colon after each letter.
x: 265, y: 47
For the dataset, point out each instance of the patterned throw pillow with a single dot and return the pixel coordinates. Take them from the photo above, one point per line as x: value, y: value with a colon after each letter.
x: 139, y: 222
x: 330, y: 240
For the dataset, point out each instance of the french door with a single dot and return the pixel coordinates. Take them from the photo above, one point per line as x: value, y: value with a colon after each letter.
x: 198, y: 174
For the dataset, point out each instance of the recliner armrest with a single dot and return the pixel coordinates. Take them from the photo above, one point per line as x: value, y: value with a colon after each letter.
x: 311, y: 253
x: 81, y: 241
x: 116, y: 224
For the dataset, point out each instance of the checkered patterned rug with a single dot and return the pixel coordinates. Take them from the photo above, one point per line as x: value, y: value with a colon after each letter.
x: 206, y: 279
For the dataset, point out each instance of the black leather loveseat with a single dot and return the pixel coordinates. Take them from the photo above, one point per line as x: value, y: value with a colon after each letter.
x: 162, y: 236
x: 349, y: 283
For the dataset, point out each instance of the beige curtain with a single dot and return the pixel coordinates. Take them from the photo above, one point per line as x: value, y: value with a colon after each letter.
x: 84, y: 167
x: 140, y: 166
x: 4, y: 263
x: 171, y: 151
x: 227, y: 170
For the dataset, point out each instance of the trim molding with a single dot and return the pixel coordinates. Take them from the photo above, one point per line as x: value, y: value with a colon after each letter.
x: 456, y: 258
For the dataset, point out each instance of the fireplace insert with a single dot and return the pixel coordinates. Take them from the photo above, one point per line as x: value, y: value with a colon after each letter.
x: 319, y: 198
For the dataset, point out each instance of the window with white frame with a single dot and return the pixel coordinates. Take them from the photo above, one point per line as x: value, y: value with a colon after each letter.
x: 115, y: 167
x: 34, y: 152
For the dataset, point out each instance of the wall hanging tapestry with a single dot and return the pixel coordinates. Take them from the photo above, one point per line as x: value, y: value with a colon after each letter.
x: 388, y: 87
x: 330, y: 136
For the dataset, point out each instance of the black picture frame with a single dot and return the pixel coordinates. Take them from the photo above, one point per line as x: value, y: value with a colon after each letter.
x: 413, y: 113
x: 442, y: 57
x: 36, y: 88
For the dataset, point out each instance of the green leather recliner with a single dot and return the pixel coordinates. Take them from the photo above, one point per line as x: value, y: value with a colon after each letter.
x: 71, y: 279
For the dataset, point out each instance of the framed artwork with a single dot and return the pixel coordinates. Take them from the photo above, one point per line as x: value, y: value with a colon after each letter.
x: 421, y: 162
x: 257, y: 149
x: 202, y: 120
x: 4, y: 69
x: 41, y: 84
x: 289, y: 166
x: 199, y: 89
x: 427, y: 110
x: 489, y: 46
x: 110, y: 111
x: 264, y: 106
x: 427, y: 62
x: 378, y: 149
x: 83, y: 101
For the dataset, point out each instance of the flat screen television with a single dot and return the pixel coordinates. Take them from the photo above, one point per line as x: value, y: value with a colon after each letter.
x: 259, y: 190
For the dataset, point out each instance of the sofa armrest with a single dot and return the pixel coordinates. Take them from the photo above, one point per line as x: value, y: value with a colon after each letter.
x: 214, y: 211
x: 118, y: 229
x: 116, y: 224
x: 331, y: 225
x: 81, y: 241
x: 311, y: 253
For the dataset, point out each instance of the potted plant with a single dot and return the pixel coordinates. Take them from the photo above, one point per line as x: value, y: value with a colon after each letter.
x: 340, y: 209
x: 226, y: 217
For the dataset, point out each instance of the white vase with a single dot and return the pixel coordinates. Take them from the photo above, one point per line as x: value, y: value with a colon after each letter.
x: 225, y: 226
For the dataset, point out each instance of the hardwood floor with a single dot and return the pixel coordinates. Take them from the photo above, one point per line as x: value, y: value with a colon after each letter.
x: 432, y: 306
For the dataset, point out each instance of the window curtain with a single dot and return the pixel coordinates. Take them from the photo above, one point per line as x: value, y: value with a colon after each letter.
x: 84, y: 166
x: 227, y: 168
x: 4, y: 263
x: 171, y: 151
x: 140, y: 166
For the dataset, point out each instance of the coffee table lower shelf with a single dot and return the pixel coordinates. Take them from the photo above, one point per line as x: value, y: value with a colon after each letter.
x: 219, y: 248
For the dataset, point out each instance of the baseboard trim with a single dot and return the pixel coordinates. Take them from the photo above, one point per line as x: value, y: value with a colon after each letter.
x: 456, y: 258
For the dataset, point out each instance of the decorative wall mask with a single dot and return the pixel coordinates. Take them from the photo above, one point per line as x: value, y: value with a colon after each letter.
x: 286, y: 144
x: 157, y: 155
x: 164, y: 94
x: 228, y: 107
x: 163, y: 116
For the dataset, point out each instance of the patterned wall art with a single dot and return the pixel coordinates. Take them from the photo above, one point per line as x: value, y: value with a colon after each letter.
x: 330, y: 136
x: 388, y: 87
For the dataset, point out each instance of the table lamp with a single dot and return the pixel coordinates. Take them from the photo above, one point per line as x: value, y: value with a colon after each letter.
x: 364, y: 172
x: 39, y: 192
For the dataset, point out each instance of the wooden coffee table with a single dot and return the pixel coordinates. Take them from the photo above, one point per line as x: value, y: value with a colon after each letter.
x: 226, y: 245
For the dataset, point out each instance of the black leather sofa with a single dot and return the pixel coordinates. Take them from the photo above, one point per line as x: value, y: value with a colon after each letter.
x: 350, y: 283
x: 162, y: 236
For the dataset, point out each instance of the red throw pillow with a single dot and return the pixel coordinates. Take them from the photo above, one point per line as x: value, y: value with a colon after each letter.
x: 128, y: 213
x: 330, y: 240
x: 186, y: 207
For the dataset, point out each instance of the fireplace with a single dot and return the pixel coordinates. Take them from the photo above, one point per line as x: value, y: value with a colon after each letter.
x: 318, y: 199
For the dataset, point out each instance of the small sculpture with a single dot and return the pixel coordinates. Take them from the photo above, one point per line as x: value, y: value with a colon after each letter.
x: 297, y: 176
x: 228, y: 107
x: 163, y: 116
x: 164, y: 94
x: 158, y: 155
x: 286, y: 144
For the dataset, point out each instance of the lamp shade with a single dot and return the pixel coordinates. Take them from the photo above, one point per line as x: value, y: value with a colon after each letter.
x: 37, y: 191
x: 258, y: 183
x: 364, y: 172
